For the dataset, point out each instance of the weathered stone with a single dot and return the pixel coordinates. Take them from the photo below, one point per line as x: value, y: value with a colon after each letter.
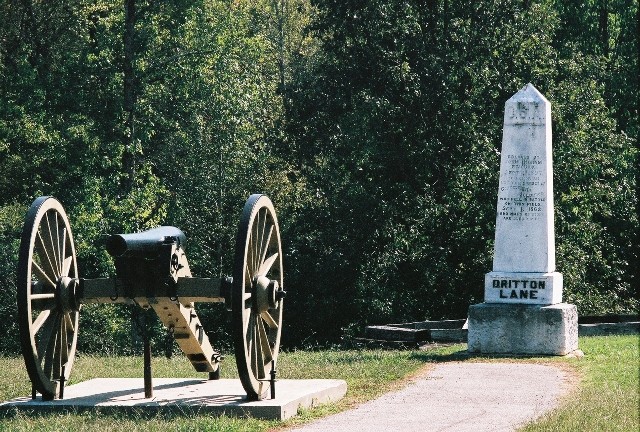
x: 449, y: 335
x: 523, y: 329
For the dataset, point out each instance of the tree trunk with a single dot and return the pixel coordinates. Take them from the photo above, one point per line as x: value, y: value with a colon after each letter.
x: 129, y: 154
x: 604, y: 27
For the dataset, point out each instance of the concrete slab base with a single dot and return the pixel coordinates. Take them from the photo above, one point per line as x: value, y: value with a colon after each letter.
x: 523, y: 329
x: 225, y: 396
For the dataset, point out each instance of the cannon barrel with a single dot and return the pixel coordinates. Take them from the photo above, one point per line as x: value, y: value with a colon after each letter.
x: 144, y: 242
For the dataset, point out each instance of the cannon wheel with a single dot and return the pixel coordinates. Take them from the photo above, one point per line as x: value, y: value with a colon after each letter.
x: 48, y: 324
x: 257, y: 324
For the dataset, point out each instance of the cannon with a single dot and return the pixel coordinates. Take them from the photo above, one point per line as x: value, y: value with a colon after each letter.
x: 151, y: 272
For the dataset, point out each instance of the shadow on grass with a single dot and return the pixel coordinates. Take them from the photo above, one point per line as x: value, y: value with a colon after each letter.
x: 166, y: 414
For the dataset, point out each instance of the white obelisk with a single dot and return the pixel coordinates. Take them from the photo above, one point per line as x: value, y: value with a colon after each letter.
x: 524, y: 260
x: 523, y: 311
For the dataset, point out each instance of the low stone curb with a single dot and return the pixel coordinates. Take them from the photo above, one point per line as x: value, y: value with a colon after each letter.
x: 414, y: 334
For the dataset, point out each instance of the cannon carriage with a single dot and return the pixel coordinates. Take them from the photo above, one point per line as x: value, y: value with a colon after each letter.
x: 151, y: 272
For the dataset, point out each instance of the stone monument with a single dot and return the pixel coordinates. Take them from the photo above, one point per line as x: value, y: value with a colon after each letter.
x: 523, y: 311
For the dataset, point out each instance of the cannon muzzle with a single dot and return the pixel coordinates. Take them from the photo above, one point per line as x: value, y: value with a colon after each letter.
x: 146, y: 242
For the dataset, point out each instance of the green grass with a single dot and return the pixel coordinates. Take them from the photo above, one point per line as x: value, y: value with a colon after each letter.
x: 605, y: 397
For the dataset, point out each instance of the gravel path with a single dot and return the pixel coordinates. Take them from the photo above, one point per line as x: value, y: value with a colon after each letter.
x: 458, y: 397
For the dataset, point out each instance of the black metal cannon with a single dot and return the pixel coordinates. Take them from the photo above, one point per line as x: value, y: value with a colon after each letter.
x: 152, y: 272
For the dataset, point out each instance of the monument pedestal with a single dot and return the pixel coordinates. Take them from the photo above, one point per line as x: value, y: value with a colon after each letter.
x: 497, y: 328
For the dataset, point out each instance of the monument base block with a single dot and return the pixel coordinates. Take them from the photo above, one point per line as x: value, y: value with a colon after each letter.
x: 496, y: 328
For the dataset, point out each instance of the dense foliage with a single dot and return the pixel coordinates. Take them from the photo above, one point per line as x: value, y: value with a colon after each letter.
x: 375, y: 127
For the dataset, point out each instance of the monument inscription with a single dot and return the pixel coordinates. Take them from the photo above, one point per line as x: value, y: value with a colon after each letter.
x: 524, y: 197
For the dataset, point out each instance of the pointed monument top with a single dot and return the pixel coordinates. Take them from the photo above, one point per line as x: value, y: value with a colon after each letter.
x: 529, y: 94
x: 527, y: 107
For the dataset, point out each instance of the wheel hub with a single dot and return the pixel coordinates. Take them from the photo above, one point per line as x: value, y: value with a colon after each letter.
x: 267, y: 293
x: 66, y: 294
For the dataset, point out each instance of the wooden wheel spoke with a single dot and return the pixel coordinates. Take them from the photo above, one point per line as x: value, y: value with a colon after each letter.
x: 63, y: 257
x: 66, y: 266
x: 247, y: 327
x: 42, y: 275
x: 40, y: 320
x: 271, y: 323
x: 266, y: 266
x: 56, y: 364
x: 59, y: 234
x: 56, y: 233
x: 260, y: 226
x: 49, y: 342
x: 256, y: 360
x: 49, y: 356
x: 264, y: 344
x: 265, y: 243
x: 41, y: 296
x: 250, y: 338
x: 256, y: 230
x: 46, y: 258
x: 50, y: 231
x: 70, y: 323
x: 48, y: 332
